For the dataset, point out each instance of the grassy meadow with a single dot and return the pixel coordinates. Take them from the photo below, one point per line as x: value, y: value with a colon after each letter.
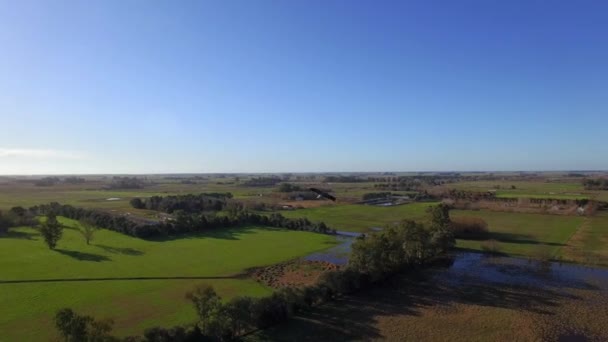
x: 522, y: 234
x: 529, y: 189
x: 173, y: 266
x: 360, y: 218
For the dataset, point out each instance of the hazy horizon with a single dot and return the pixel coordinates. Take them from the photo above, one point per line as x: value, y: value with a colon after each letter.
x: 112, y: 87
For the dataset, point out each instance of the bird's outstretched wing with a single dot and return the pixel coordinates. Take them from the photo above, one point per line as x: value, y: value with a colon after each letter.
x: 323, y: 194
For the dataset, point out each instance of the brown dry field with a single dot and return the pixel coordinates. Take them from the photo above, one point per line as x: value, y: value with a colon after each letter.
x: 421, y: 310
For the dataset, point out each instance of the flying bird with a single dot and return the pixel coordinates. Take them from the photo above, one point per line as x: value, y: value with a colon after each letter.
x: 322, y: 194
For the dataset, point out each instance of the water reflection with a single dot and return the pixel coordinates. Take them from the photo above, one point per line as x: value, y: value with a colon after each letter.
x: 464, y: 266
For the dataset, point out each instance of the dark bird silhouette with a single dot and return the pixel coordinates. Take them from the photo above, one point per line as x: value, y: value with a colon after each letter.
x: 322, y: 194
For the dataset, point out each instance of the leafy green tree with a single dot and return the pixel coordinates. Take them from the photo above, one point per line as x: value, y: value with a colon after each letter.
x: 207, y: 304
x: 440, y: 216
x: 87, y: 230
x: 78, y: 328
x: 51, y: 230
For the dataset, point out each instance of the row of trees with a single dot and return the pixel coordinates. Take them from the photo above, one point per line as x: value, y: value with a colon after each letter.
x: 595, y: 184
x: 126, y: 183
x: 262, y: 181
x: 183, y: 223
x: 191, y: 203
x: 373, y: 258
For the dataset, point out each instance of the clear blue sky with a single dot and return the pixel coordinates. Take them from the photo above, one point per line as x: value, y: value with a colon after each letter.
x: 272, y: 86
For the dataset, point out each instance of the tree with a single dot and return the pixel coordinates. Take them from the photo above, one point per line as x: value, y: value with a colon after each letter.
x: 51, y: 230
x: 440, y: 216
x: 206, y: 303
x: 88, y: 230
x: 137, y: 203
x: 78, y: 328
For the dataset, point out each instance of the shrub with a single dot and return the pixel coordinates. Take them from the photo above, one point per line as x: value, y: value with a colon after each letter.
x: 470, y: 228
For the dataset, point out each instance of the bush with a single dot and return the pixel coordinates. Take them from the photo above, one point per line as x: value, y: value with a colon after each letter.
x: 491, y: 246
x: 470, y: 228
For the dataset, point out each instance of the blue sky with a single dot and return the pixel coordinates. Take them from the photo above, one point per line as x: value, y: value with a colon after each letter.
x: 273, y: 86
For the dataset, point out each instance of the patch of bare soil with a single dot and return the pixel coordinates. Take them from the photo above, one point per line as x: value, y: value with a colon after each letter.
x: 293, y: 273
x: 424, y: 310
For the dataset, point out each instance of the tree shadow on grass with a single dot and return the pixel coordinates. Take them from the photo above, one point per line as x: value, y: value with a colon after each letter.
x: 232, y: 233
x: 121, y: 250
x: 81, y: 256
x: 12, y: 234
x: 519, y: 238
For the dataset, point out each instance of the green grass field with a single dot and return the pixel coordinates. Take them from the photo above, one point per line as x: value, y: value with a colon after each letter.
x: 528, y: 189
x: 27, y: 308
x: 521, y: 234
x: 360, y: 218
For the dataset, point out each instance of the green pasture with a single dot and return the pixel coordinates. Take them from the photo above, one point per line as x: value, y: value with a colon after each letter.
x: 218, y: 258
x: 360, y: 218
x: 528, y: 189
x: 522, y: 234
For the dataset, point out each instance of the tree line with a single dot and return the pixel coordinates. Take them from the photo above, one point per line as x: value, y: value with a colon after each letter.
x: 126, y: 183
x: 595, y: 184
x: 183, y: 223
x: 215, y: 201
x: 374, y: 258
x: 262, y: 181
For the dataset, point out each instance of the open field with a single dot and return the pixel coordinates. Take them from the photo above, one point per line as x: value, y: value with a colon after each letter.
x: 41, y: 277
x: 521, y: 234
x: 360, y: 218
x: 530, y: 189
x: 589, y: 244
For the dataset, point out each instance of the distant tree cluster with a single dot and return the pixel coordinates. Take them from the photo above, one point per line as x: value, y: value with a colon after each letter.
x: 74, y: 180
x: 262, y: 181
x: 343, y: 179
x: 126, y: 183
x: 288, y: 187
x: 50, y: 181
x: 47, y: 181
x: 595, y: 184
x: 190, y: 203
x: 182, y: 223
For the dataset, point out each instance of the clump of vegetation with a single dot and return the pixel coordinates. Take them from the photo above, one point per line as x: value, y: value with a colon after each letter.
x: 51, y: 230
x: 76, y: 328
x: 470, y: 228
x: 491, y: 246
x: 288, y: 187
x: 595, y: 184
